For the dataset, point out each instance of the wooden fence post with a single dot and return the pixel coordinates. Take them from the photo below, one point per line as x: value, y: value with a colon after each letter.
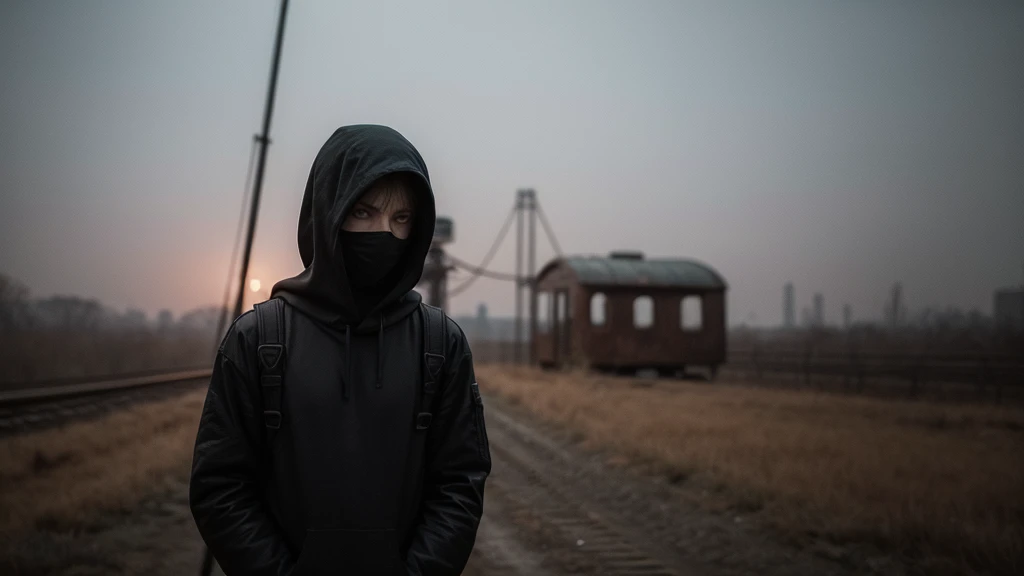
x: 980, y: 379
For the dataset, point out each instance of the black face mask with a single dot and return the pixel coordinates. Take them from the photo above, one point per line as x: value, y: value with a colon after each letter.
x: 370, y: 256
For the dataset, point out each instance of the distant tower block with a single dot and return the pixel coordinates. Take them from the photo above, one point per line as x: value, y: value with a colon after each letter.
x: 847, y: 316
x: 482, y: 326
x: 819, y: 310
x: 895, y: 312
x: 788, y: 306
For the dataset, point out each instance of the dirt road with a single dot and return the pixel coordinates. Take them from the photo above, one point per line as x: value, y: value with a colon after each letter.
x: 551, y: 508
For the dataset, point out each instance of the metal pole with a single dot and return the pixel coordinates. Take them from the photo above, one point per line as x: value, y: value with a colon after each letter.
x: 519, y: 277
x: 442, y: 283
x: 435, y: 282
x: 261, y: 165
x: 264, y: 140
x: 223, y: 315
x: 531, y: 271
x: 434, y: 273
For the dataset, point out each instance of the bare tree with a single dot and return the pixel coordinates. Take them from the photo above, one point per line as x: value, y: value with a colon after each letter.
x: 71, y: 312
x: 14, y: 305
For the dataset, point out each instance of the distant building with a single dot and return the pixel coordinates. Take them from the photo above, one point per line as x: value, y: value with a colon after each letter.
x: 1008, y: 308
x: 895, y: 311
x: 788, y: 306
x: 165, y: 320
x: 819, y: 310
x: 482, y: 327
x: 625, y: 312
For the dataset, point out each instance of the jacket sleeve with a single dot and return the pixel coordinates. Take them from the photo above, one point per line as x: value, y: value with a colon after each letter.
x: 224, y: 491
x: 458, y: 462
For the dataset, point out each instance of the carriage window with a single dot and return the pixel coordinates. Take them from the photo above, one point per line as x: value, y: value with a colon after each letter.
x: 543, y: 312
x: 643, y: 312
x: 597, y: 309
x: 690, y: 318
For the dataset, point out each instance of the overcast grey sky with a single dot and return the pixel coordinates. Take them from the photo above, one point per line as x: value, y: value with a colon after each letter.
x: 842, y: 146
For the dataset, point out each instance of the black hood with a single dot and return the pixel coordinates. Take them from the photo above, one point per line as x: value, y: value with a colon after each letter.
x: 346, y: 167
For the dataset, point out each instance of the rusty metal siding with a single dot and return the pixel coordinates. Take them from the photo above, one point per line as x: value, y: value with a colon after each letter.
x: 561, y: 278
x: 617, y: 343
x: 655, y: 273
x: 664, y: 344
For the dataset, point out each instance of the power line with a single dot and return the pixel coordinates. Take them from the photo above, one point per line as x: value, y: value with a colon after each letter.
x: 264, y: 140
x: 548, y: 230
x: 238, y: 241
x: 261, y: 164
x: 477, y: 271
x: 487, y: 259
x: 482, y: 271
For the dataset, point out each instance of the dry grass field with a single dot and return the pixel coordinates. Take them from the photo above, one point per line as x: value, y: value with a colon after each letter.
x: 58, y: 479
x: 33, y: 356
x: 938, y: 485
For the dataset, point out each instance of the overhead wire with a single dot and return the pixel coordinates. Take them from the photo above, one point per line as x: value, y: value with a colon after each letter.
x: 478, y: 271
x: 548, y: 230
x: 482, y: 271
x: 238, y: 240
x: 487, y: 258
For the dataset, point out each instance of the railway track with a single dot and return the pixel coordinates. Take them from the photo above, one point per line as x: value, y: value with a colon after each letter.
x: 34, y: 408
x: 572, y: 502
x: 593, y: 518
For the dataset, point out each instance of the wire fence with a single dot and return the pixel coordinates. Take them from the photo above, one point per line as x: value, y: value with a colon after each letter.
x: 966, y: 376
x: 985, y: 376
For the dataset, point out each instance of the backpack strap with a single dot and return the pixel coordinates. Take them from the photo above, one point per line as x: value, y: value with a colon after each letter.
x: 271, y: 354
x: 435, y: 336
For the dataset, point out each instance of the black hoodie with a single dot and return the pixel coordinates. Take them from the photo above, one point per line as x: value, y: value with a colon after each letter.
x: 347, y: 485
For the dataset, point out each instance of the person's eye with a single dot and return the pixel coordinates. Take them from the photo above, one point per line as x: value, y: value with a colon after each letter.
x: 402, y: 218
x: 360, y: 213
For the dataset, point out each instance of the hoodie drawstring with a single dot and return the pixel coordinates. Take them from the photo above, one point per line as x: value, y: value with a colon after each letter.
x: 380, y: 352
x: 348, y: 362
x: 347, y: 380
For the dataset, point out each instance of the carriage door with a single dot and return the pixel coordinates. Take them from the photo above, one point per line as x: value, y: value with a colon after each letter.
x: 562, y: 328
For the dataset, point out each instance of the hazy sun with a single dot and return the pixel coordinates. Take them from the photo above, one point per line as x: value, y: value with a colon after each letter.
x: 254, y: 285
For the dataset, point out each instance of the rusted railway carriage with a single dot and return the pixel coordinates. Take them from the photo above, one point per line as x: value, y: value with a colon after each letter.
x: 624, y: 313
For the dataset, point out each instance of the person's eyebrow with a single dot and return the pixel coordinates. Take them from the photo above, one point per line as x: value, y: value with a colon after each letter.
x: 395, y: 204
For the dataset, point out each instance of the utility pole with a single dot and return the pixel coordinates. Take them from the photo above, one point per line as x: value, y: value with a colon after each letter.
x: 264, y: 141
x: 526, y: 202
x: 531, y: 266
x: 435, y: 270
x: 517, y: 345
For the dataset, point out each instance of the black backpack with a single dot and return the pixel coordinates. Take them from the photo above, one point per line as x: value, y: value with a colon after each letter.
x: 272, y: 355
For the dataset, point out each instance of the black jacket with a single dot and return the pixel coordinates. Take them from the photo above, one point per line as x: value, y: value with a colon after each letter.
x: 347, y: 485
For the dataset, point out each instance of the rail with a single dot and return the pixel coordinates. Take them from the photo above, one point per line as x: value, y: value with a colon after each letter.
x: 37, y: 394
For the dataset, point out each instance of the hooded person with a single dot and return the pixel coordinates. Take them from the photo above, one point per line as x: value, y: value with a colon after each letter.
x: 347, y: 484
